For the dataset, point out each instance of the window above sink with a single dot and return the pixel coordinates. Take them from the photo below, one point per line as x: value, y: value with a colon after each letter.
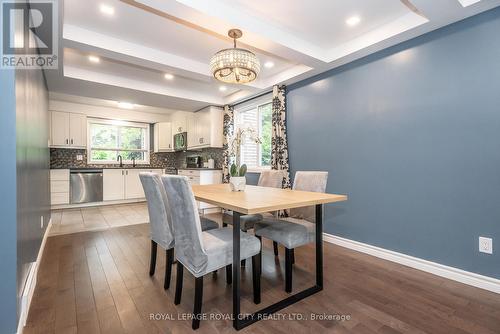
x: 109, y: 138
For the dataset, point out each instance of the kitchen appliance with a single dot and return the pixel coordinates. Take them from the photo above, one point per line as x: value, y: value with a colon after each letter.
x: 85, y: 185
x: 170, y: 171
x: 194, y: 161
x: 180, y: 141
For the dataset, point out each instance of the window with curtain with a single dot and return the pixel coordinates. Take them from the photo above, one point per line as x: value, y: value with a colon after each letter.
x: 108, y: 139
x: 257, y: 115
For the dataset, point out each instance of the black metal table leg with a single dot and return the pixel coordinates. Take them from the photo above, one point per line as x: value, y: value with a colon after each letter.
x: 240, y: 323
x: 236, y: 270
x: 319, y: 246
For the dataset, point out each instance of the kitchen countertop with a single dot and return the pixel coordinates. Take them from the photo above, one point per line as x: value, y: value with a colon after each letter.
x: 111, y: 167
x: 200, y: 168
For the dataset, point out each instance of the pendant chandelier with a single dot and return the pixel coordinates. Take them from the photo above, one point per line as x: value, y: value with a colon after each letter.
x: 235, y: 65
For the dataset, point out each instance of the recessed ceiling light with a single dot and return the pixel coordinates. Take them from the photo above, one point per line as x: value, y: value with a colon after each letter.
x: 169, y: 76
x: 268, y: 64
x: 353, y: 20
x: 94, y: 59
x: 222, y: 88
x: 106, y: 9
x: 125, y: 105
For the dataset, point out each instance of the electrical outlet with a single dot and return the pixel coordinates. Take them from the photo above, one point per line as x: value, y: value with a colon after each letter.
x: 41, y: 221
x: 79, y: 157
x: 486, y: 245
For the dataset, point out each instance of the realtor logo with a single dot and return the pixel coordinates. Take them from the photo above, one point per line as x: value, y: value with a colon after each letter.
x: 29, y: 37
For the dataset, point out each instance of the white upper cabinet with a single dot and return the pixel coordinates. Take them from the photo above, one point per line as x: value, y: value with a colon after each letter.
x: 59, y: 128
x: 179, y: 121
x: 163, y: 137
x: 77, y: 130
x: 205, y: 128
x: 68, y: 130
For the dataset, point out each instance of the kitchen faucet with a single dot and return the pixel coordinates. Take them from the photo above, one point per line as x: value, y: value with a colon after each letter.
x: 119, y: 158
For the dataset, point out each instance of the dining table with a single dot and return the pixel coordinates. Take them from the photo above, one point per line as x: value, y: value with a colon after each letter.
x: 255, y: 200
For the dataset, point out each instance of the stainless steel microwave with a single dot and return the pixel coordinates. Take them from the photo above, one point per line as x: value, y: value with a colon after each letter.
x: 180, y: 141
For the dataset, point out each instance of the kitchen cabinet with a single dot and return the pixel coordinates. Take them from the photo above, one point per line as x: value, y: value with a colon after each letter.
x: 133, y: 185
x: 68, y: 130
x: 113, y: 184
x: 121, y: 184
x: 163, y: 137
x: 179, y: 121
x: 59, y: 186
x: 200, y: 176
x: 205, y: 128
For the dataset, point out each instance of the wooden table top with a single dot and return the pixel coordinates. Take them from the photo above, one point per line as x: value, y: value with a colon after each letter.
x: 260, y: 199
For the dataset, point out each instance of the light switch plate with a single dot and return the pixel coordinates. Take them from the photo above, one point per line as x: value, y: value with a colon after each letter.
x: 486, y: 245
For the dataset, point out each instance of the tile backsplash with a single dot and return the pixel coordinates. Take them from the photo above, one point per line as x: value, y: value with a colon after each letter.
x: 67, y: 158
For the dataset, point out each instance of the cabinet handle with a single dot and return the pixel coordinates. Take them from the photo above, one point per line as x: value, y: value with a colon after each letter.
x: 122, y: 173
x: 67, y: 141
x: 71, y: 141
x: 126, y: 172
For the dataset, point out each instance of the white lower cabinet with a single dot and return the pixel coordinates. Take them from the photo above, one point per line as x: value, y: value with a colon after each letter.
x: 113, y: 185
x: 59, y: 186
x: 120, y: 184
x: 200, y: 176
x: 133, y: 185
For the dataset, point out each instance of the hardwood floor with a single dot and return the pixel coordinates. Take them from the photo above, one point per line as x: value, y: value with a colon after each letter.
x: 98, y: 282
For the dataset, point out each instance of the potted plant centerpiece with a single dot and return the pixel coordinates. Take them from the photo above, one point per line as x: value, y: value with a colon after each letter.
x: 237, y: 181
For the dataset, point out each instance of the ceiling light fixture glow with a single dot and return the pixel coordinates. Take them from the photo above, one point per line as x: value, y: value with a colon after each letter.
x: 235, y: 65
x: 169, y: 76
x: 222, y: 88
x: 94, y: 59
x: 125, y: 105
x: 269, y: 64
x: 108, y: 10
x: 353, y: 20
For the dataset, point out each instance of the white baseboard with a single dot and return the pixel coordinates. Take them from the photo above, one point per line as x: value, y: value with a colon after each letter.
x: 29, y: 287
x: 455, y: 274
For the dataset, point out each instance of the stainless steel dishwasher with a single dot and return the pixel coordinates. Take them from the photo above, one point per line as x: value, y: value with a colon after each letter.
x: 86, y: 185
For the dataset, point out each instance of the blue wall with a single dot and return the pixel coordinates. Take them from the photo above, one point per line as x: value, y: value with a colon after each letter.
x: 8, y: 253
x: 412, y: 135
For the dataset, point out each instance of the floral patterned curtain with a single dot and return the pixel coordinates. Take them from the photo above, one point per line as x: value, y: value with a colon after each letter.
x: 279, y: 142
x: 228, y: 132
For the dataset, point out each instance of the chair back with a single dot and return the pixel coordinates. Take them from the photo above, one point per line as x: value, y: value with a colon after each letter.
x: 271, y: 178
x: 308, y: 181
x: 186, y: 222
x: 160, y: 222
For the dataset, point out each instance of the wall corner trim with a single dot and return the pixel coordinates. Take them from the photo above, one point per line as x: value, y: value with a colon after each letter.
x: 455, y: 274
x: 31, y: 282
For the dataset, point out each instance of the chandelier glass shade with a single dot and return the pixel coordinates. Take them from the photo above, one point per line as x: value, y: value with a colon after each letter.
x: 235, y: 65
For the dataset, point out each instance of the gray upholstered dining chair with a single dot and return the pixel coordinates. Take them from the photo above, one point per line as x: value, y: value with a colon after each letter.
x: 160, y: 224
x: 300, y: 227
x: 203, y: 252
x: 267, y: 178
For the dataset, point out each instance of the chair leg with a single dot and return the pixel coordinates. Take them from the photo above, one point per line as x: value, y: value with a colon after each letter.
x: 168, y: 268
x: 288, y: 270
x: 260, y: 254
x: 198, y: 299
x: 244, y: 263
x: 256, y: 278
x: 229, y: 274
x: 178, y: 283
x: 293, y: 255
x: 152, y: 263
x: 275, y: 247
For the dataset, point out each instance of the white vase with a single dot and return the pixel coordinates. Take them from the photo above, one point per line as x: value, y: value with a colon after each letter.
x: 237, y: 183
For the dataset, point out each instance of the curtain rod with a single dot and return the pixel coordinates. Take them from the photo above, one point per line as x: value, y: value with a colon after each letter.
x: 251, y: 98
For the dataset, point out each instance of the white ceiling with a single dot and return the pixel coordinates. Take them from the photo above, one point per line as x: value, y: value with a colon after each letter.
x: 145, y: 39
